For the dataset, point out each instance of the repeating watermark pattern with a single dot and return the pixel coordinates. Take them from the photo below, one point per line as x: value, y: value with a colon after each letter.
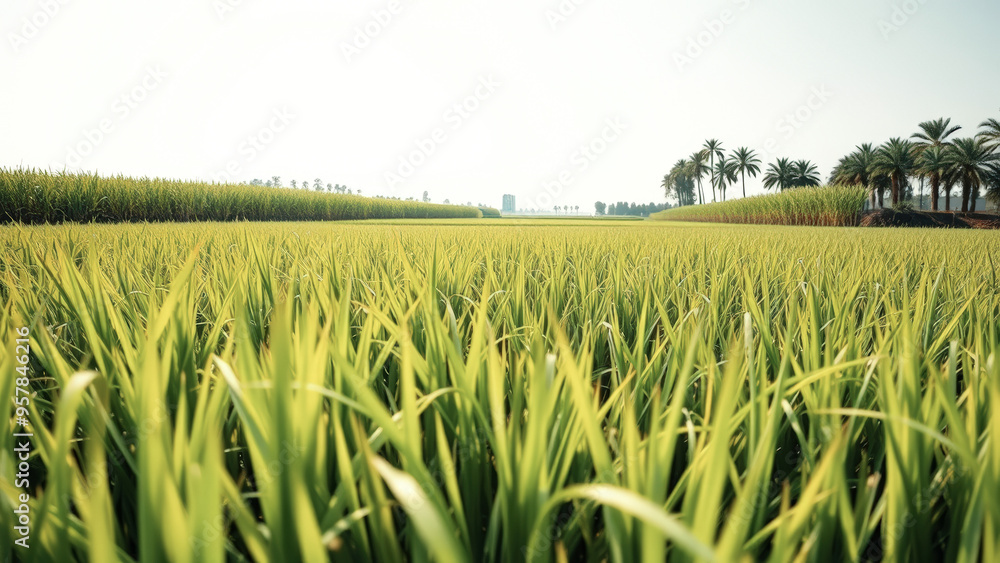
x: 22, y: 439
x: 561, y: 12
x: 225, y: 7
x: 900, y: 16
x: 454, y: 118
x: 255, y: 144
x: 582, y: 158
x: 123, y: 106
x: 711, y: 30
x: 794, y: 120
x: 366, y: 33
x: 32, y: 25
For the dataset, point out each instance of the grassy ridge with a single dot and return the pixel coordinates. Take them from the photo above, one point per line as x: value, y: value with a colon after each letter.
x: 640, y: 392
x: 30, y: 196
x: 826, y: 206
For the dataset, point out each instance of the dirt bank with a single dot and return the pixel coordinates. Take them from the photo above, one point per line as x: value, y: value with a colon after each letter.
x: 941, y: 219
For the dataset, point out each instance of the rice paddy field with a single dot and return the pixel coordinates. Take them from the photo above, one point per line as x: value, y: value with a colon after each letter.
x: 30, y: 196
x: 829, y: 206
x: 501, y: 391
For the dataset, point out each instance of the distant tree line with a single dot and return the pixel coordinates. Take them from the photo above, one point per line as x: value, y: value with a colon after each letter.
x: 623, y: 208
x: 930, y: 156
x: 316, y: 185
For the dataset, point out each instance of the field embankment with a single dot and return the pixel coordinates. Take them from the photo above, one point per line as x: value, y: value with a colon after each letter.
x: 941, y: 219
x: 31, y: 197
x: 830, y: 206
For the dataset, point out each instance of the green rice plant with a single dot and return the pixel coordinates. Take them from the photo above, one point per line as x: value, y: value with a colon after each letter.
x: 461, y: 392
x: 831, y: 206
x: 31, y: 197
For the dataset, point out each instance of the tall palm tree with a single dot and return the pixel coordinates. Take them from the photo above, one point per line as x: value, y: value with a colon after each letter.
x: 932, y: 134
x: 697, y: 170
x: 895, y: 159
x: 854, y: 169
x: 931, y: 164
x: 780, y: 174
x: 746, y: 163
x: 714, y: 147
x: 725, y: 174
x: 970, y: 159
x: 805, y: 174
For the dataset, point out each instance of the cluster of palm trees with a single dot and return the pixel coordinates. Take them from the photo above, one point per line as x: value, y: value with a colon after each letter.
x: 932, y: 156
x: 684, y: 181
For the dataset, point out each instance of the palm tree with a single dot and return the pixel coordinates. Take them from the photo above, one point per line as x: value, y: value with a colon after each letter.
x: 931, y: 164
x: 949, y: 177
x: 779, y: 175
x: 970, y: 159
x: 697, y: 170
x: 992, y: 182
x: 895, y: 159
x: 725, y: 174
x: 854, y: 169
x: 932, y: 134
x: 805, y: 174
x: 679, y: 183
x: 713, y: 146
x: 746, y: 162
x: 991, y: 133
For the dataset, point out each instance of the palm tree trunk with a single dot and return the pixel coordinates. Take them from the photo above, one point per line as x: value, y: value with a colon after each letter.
x: 975, y: 196
x: 966, y: 190
x: 895, y: 190
x: 711, y: 163
x: 947, y: 198
x: 744, y: 174
x: 935, y: 192
x: 701, y: 194
x: 921, y: 193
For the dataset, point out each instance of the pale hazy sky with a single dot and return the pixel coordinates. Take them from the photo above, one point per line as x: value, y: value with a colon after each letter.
x: 482, y: 98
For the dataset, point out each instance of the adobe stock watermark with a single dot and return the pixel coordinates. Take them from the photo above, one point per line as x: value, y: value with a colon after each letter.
x: 794, y: 120
x: 32, y: 25
x: 366, y: 33
x: 562, y: 11
x: 455, y: 117
x: 900, y: 16
x: 712, y: 29
x: 255, y: 144
x: 122, y: 107
x: 225, y: 7
x: 582, y: 158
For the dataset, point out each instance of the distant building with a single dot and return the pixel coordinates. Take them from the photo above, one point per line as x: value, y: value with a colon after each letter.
x: 509, y: 205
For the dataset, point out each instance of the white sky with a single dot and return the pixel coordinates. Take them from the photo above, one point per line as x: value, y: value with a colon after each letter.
x: 208, y: 74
